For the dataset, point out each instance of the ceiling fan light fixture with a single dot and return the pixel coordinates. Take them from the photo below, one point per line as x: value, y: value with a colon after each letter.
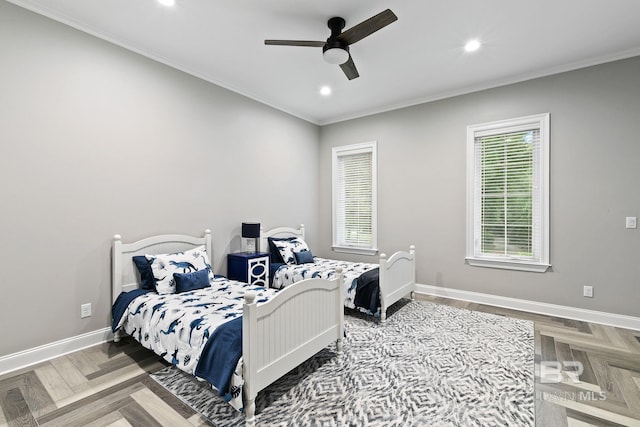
x: 335, y: 55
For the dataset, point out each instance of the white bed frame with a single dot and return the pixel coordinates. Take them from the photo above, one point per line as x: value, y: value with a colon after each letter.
x: 397, y: 272
x: 277, y: 336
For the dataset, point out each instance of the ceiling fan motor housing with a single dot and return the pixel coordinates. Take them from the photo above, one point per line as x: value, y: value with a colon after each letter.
x: 335, y: 51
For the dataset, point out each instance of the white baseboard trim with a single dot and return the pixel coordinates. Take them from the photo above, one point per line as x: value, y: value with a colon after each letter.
x: 45, y: 352
x: 611, y: 319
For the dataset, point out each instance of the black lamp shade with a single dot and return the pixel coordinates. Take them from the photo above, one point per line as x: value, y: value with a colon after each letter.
x: 251, y: 230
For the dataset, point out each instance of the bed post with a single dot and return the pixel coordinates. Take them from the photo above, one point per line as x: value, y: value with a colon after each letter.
x: 302, y: 232
x: 412, y: 252
x: 382, y: 280
x: 249, y: 340
x: 116, y: 274
x: 340, y: 310
x: 208, y: 239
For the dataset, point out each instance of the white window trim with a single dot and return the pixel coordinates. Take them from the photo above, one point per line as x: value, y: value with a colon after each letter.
x: 346, y: 150
x: 542, y: 122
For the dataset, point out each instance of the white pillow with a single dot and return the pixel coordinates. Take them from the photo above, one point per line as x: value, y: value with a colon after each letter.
x: 164, y: 265
x: 288, y: 248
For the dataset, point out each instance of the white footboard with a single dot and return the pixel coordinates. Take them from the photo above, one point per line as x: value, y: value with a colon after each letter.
x: 397, y: 278
x: 298, y: 322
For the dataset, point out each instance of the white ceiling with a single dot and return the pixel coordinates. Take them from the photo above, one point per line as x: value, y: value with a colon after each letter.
x: 418, y: 58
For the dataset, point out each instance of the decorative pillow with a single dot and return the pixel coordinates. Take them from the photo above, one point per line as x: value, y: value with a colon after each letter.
x: 191, y: 281
x: 303, y: 257
x: 164, y: 265
x: 274, y: 252
x: 288, y: 248
x: 147, y: 281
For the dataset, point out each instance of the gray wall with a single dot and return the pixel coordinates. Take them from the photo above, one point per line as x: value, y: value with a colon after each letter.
x: 595, y: 167
x: 97, y: 140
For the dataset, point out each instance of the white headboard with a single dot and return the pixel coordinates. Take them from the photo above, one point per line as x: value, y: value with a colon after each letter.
x: 279, y: 232
x: 125, y: 276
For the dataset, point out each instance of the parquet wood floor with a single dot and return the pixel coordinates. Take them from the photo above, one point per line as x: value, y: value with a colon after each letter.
x: 109, y: 384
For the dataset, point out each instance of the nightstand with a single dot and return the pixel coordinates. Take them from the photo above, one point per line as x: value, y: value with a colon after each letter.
x: 249, y: 267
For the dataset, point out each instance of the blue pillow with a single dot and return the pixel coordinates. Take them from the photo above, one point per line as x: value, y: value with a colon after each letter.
x: 303, y: 257
x: 186, y: 282
x: 147, y: 281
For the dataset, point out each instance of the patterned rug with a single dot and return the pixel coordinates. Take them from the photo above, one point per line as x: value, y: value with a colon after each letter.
x: 430, y: 364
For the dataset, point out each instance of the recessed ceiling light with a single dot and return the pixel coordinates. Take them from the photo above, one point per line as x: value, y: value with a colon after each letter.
x: 472, y: 45
x: 325, y: 91
x: 167, y: 2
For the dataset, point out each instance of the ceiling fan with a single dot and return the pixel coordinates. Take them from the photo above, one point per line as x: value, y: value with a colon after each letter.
x: 335, y: 49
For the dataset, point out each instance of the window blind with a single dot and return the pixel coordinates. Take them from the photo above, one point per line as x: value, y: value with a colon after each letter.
x: 354, y: 199
x: 507, y: 196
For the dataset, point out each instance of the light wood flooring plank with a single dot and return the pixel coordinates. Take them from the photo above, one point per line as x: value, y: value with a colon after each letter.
x: 98, y: 354
x: 16, y: 409
x: 596, y: 412
x: 563, y: 352
x: 198, y: 420
x: 587, y: 371
x: 548, y: 414
x: 120, y: 423
x: 155, y: 406
x: 69, y: 372
x: 91, y: 408
x: 609, y: 334
x: 83, y: 362
x: 629, y: 338
x: 562, y: 393
x: 578, y: 419
x: 53, y: 382
x: 602, y: 372
x: 108, y: 420
x: 136, y: 415
x: 111, y: 379
x: 34, y: 393
x: 630, y: 391
x: 3, y: 420
x: 118, y: 362
x: 169, y: 398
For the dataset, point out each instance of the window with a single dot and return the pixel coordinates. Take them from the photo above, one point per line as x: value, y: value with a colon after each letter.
x: 508, y: 194
x: 354, y: 198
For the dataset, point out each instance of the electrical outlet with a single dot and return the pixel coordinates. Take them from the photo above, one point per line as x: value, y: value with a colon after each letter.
x: 85, y: 310
x: 631, y: 222
x: 587, y: 291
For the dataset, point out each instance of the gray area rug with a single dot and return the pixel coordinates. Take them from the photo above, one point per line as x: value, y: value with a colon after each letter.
x: 430, y: 364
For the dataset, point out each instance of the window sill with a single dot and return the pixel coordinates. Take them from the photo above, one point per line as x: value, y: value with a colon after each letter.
x: 508, y: 265
x: 353, y: 250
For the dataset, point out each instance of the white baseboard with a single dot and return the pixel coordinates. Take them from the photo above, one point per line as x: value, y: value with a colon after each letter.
x: 39, y: 354
x: 611, y: 319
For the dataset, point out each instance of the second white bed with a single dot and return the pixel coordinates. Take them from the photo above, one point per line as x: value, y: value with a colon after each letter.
x: 396, y: 273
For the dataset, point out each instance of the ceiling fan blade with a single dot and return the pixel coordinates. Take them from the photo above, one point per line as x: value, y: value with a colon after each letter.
x: 350, y: 69
x: 294, y: 43
x: 368, y: 27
